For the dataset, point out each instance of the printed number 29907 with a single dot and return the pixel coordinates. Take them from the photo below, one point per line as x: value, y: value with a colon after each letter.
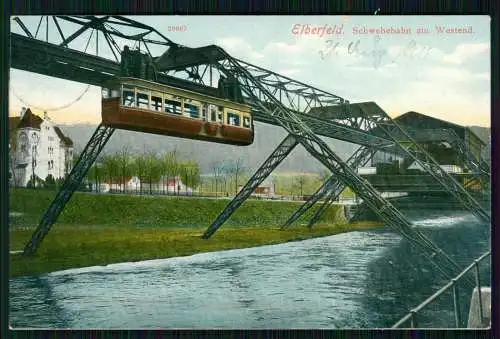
x: 177, y: 28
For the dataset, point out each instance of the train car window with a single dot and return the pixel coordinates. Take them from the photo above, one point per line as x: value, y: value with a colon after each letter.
x: 105, y: 93
x: 246, y: 122
x: 156, y: 103
x: 213, y: 113
x: 172, y: 106
x: 142, y: 100
x: 128, y: 96
x: 115, y: 93
x: 233, y: 119
x: 192, y: 110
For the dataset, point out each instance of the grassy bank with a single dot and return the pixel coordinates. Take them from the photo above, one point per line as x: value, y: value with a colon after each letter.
x: 158, y: 211
x: 103, y: 229
x: 81, y: 246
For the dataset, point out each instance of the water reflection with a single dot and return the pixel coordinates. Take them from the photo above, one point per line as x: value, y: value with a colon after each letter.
x: 401, y: 271
x: 357, y: 279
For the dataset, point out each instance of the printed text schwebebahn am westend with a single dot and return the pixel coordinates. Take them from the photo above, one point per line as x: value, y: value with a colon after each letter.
x: 381, y: 30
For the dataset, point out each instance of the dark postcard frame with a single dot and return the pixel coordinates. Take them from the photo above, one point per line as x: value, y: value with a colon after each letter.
x: 378, y: 7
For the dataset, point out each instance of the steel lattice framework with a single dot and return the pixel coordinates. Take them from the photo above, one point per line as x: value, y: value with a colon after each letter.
x: 332, y: 187
x: 265, y: 94
x: 72, y: 182
x: 275, y: 99
x: 480, y: 171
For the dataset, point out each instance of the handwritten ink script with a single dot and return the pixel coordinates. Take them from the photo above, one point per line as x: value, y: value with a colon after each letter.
x: 378, y: 54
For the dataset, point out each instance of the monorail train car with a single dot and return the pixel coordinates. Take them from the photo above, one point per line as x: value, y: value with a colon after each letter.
x: 145, y: 106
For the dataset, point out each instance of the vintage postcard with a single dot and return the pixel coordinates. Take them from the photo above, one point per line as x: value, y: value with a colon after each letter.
x: 244, y: 172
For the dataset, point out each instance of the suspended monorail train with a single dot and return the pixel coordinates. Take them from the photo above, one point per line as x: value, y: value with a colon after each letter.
x: 145, y: 106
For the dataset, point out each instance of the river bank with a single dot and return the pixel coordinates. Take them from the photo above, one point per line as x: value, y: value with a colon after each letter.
x: 73, y: 246
x: 105, y: 229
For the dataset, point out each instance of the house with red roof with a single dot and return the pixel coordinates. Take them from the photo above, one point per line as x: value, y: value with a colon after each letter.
x: 38, y: 149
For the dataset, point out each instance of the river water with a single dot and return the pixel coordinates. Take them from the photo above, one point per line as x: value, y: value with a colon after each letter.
x: 364, y: 279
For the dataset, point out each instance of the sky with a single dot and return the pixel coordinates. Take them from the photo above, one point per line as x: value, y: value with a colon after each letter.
x: 418, y: 63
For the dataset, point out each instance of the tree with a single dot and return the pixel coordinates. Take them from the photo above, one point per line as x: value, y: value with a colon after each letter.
x: 218, y: 171
x: 124, y: 164
x: 152, y: 169
x: 200, y: 190
x: 140, y: 166
x: 190, y: 173
x: 300, y: 181
x: 34, y: 181
x: 50, y: 182
x: 235, y: 170
x: 168, y: 166
x: 111, y: 167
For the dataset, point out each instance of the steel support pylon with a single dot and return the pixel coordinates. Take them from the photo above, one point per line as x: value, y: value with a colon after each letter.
x: 278, y: 155
x: 71, y: 183
x: 320, y: 150
x: 359, y: 158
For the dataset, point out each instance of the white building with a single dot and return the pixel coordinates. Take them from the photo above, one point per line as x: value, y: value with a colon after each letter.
x: 133, y: 184
x: 126, y: 184
x: 38, y: 147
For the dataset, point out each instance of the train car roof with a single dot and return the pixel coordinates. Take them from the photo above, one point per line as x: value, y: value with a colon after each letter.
x: 148, y: 83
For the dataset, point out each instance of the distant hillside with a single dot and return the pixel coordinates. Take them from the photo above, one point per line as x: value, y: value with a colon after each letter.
x: 267, y: 138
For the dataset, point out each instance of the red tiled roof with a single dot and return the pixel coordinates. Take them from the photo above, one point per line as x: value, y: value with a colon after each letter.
x: 34, y: 121
x: 30, y: 120
x: 67, y: 141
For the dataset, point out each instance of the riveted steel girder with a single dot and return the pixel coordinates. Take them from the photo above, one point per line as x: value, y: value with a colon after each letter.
x: 71, y: 183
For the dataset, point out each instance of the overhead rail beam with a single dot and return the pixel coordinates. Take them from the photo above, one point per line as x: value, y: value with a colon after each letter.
x: 52, y: 60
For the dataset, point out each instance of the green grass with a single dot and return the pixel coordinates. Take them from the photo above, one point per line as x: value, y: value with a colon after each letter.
x: 105, y: 229
x: 159, y: 211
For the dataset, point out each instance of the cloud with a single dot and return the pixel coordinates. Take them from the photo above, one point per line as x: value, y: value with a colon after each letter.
x: 288, y: 72
x: 483, y: 76
x: 239, y: 48
x: 462, y: 53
